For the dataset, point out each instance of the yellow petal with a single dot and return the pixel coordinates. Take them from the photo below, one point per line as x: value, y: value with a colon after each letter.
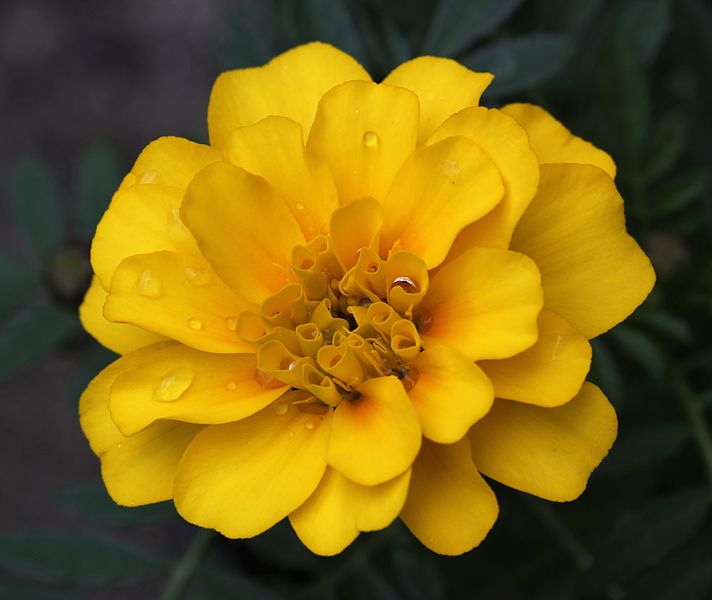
x: 484, y: 303
x: 118, y: 337
x: 364, y: 132
x: 439, y: 190
x: 450, y: 393
x: 443, y: 87
x: 177, y: 382
x: 171, y: 161
x: 340, y: 509
x: 274, y: 149
x: 180, y: 297
x: 548, y: 452
x: 553, y: 143
x: 593, y: 273
x: 139, y: 469
x: 243, y: 228
x: 348, y: 239
x: 549, y: 373
x: 290, y: 85
x: 376, y: 437
x: 500, y: 137
x: 244, y: 477
x: 450, y: 508
x: 141, y: 218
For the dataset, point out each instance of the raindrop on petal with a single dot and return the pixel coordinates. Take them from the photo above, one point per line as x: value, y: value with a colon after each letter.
x: 280, y: 408
x: 370, y: 139
x: 231, y: 323
x: 148, y: 285
x: 198, y: 276
x: 406, y: 284
x: 173, y: 385
x: 195, y: 324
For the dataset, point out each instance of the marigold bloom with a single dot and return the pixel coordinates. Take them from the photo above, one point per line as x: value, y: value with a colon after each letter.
x: 357, y: 299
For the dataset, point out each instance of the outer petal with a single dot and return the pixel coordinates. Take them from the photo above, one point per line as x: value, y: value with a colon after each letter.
x: 290, y: 85
x: 243, y: 477
x: 593, y: 273
x: 177, y: 296
x: 353, y: 227
x: 450, y: 393
x: 376, y: 437
x: 243, y: 228
x: 507, y: 145
x: 340, y: 509
x: 364, y: 132
x: 443, y: 87
x: 553, y: 143
x: 548, y: 452
x: 177, y: 382
x: 118, y: 337
x: 437, y: 192
x: 549, y: 373
x: 139, y: 469
x: 450, y: 508
x: 484, y: 303
x: 274, y: 149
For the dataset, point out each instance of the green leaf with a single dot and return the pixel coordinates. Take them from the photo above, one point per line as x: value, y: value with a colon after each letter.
x: 36, y: 208
x: 671, y: 326
x: 644, y: 24
x: 642, y: 538
x: 248, y: 41
x: 93, y: 503
x: 640, y: 348
x: 98, y: 176
x: 21, y: 591
x: 77, y: 558
x: 605, y: 371
x: 520, y: 63
x: 680, y: 191
x: 33, y: 333
x: 458, y: 24
x: 666, y: 146
x: 211, y: 583
x: 643, y: 446
x: 18, y: 281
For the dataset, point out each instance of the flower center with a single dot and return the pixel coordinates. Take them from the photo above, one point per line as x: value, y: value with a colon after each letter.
x: 334, y: 325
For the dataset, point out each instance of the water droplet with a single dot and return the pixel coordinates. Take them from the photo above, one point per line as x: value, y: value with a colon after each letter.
x: 281, y: 408
x: 195, y: 324
x: 119, y: 446
x: 231, y: 323
x: 308, y: 425
x: 299, y: 206
x: 148, y: 285
x: 198, y: 276
x: 231, y: 386
x: 370, y: 139
x: 450, y: 168
x: 176, y: 229
x: 406, y: 284
x: 148, y: 177
x: 173, y: 385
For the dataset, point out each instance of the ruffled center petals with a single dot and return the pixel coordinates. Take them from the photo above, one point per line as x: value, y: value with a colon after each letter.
x: 180, y: 297
x: 340, y: 509
x: 274, y: 149
x: 243, y: 228
x: 501, y: 138
x: 244, y: 477
x: 593, y: 273
x: 290, y: 85
x: 130, y: 478
x: 549, y: 373
x: 443, y: 87
x: 376, y: 436
x: 548, y: 452
x: 364, y: 132
x: 438, y: 191
x: 180, y: 383
x: 450, y: 508
x: 485, y: 303
x: 348, y: 239
x: 449, y: 393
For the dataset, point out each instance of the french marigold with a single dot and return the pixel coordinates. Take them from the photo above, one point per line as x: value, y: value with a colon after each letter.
x: 355, y: 301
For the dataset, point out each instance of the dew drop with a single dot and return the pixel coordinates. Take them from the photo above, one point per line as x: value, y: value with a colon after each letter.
x: 370, y: 139
x: 173, y: 385
x: 176, y: 230
x: 195, y: 324
x: 198, y: 276
x: 231, y: 386
x: 281, y: 408
x: 450, y: 168
x: 299, y: 206
x: 406, y: 284
x: 148, y: 285
x: 308, y: 425
x: 148, y: 177
x: 231, y: 323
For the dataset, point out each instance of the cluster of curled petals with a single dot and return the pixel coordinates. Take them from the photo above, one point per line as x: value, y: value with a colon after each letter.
x: 355, y: 302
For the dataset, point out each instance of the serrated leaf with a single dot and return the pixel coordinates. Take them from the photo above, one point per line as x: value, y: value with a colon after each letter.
x: 640, y: 348
x: 33, y: 333
x: 644, y: 24
x: 458, y: 24
x: 36, y: 208
x: 520, y: 63
x: 666, y: 146
x: 680, y: 191
x: 77, y: 558
x: 19, y: 280
x: 98, y: 176
x: 643, y: 538
x: 643, y: 446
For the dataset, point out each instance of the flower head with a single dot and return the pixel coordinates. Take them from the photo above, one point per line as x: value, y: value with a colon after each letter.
x: 354, y: 301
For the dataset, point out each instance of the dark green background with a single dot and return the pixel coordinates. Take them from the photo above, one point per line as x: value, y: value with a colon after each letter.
x: 84, y: 85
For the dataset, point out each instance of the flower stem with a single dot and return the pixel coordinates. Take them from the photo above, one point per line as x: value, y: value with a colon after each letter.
x: 184, y: 569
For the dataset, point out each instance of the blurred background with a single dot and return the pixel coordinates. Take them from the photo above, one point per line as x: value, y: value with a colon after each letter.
x: 85, y: 85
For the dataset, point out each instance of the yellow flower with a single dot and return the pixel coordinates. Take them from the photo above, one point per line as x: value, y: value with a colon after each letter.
x: 317, y: 311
